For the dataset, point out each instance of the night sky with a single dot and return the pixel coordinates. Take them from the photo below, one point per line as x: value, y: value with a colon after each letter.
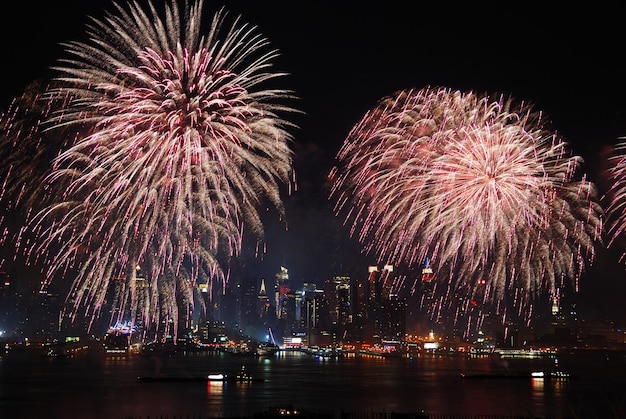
x: 344, y: 56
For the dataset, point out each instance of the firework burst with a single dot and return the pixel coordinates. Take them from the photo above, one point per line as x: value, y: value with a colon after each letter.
x: 479, y: 185
x: 179, y: 140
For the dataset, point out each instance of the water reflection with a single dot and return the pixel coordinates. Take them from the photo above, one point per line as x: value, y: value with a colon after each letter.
x: 355, y: 384
x: 215, y: 388
x: 538, y: 393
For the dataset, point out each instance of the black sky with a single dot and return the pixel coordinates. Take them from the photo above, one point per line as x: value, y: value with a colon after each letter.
x: 345, y: 56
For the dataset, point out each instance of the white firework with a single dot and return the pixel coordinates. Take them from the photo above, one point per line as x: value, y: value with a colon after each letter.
x: 479, y: 185
x: 179, y: 142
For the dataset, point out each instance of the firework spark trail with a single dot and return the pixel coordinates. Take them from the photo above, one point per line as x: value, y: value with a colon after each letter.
x: 180, y: 142
x: 24, y: 153
x: 477, y: 184
x: 616, y: 198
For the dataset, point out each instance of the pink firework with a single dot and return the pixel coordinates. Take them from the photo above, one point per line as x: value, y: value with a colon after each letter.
x: 616, y: 198
x: 477, y: 185
x: 179, y: 141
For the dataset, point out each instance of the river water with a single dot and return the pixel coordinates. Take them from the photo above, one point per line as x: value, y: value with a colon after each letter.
x: 97, y: 386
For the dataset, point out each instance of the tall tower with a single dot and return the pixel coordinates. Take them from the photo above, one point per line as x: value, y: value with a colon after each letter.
x: 556, y: 306
x: 282, y: 288
x: 142, y: 294
x: 315, y: 318
x: 262, y: 298
x: 343, y: 300
x: 8, y: 317
x: 373, y: 291
x: 427, y: 272
x: 428, y: 286
x: 387, y: 282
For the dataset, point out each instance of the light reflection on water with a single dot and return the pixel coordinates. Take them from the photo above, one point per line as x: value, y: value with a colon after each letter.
x: 107, y: 387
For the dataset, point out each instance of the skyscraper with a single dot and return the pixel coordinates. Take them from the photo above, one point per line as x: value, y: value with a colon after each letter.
x: 427, y: 272
x: 281, y: 290
x: 315, y: 319
x: 263, y: 299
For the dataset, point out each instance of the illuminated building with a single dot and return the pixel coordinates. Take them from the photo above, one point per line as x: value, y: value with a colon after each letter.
x: 428, y: 286
x: 315, y: 319
x: 360, y: 311
x: 373, y: 286
x: 555, y: 309
x: 264, y: 306
x: 281, y: 290
x: 247, y: 306
x: 217, y: 333
x: 393, y: 318
x: 142, y: 293
x: 289, y: 322
x: 338, y: 291
x: 308, y: 291
x: 117, y: 340
x: 388, y: 282
x: 384, y: 314
x: 427, y: 272
x: 7, y: 303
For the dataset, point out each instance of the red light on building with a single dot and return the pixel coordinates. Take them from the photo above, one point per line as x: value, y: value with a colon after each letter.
x: 427, y: 272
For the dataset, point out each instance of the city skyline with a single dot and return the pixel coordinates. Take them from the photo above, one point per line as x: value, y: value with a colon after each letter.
x: 342, y: 312
x: 391, y: 59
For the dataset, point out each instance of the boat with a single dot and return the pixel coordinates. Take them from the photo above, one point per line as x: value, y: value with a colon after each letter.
x: 267, y: 348
x: 241, y: 377
x: 524, y: 375
x: 197, y: 378
x: 217, y: 377
x: 557, y: 375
